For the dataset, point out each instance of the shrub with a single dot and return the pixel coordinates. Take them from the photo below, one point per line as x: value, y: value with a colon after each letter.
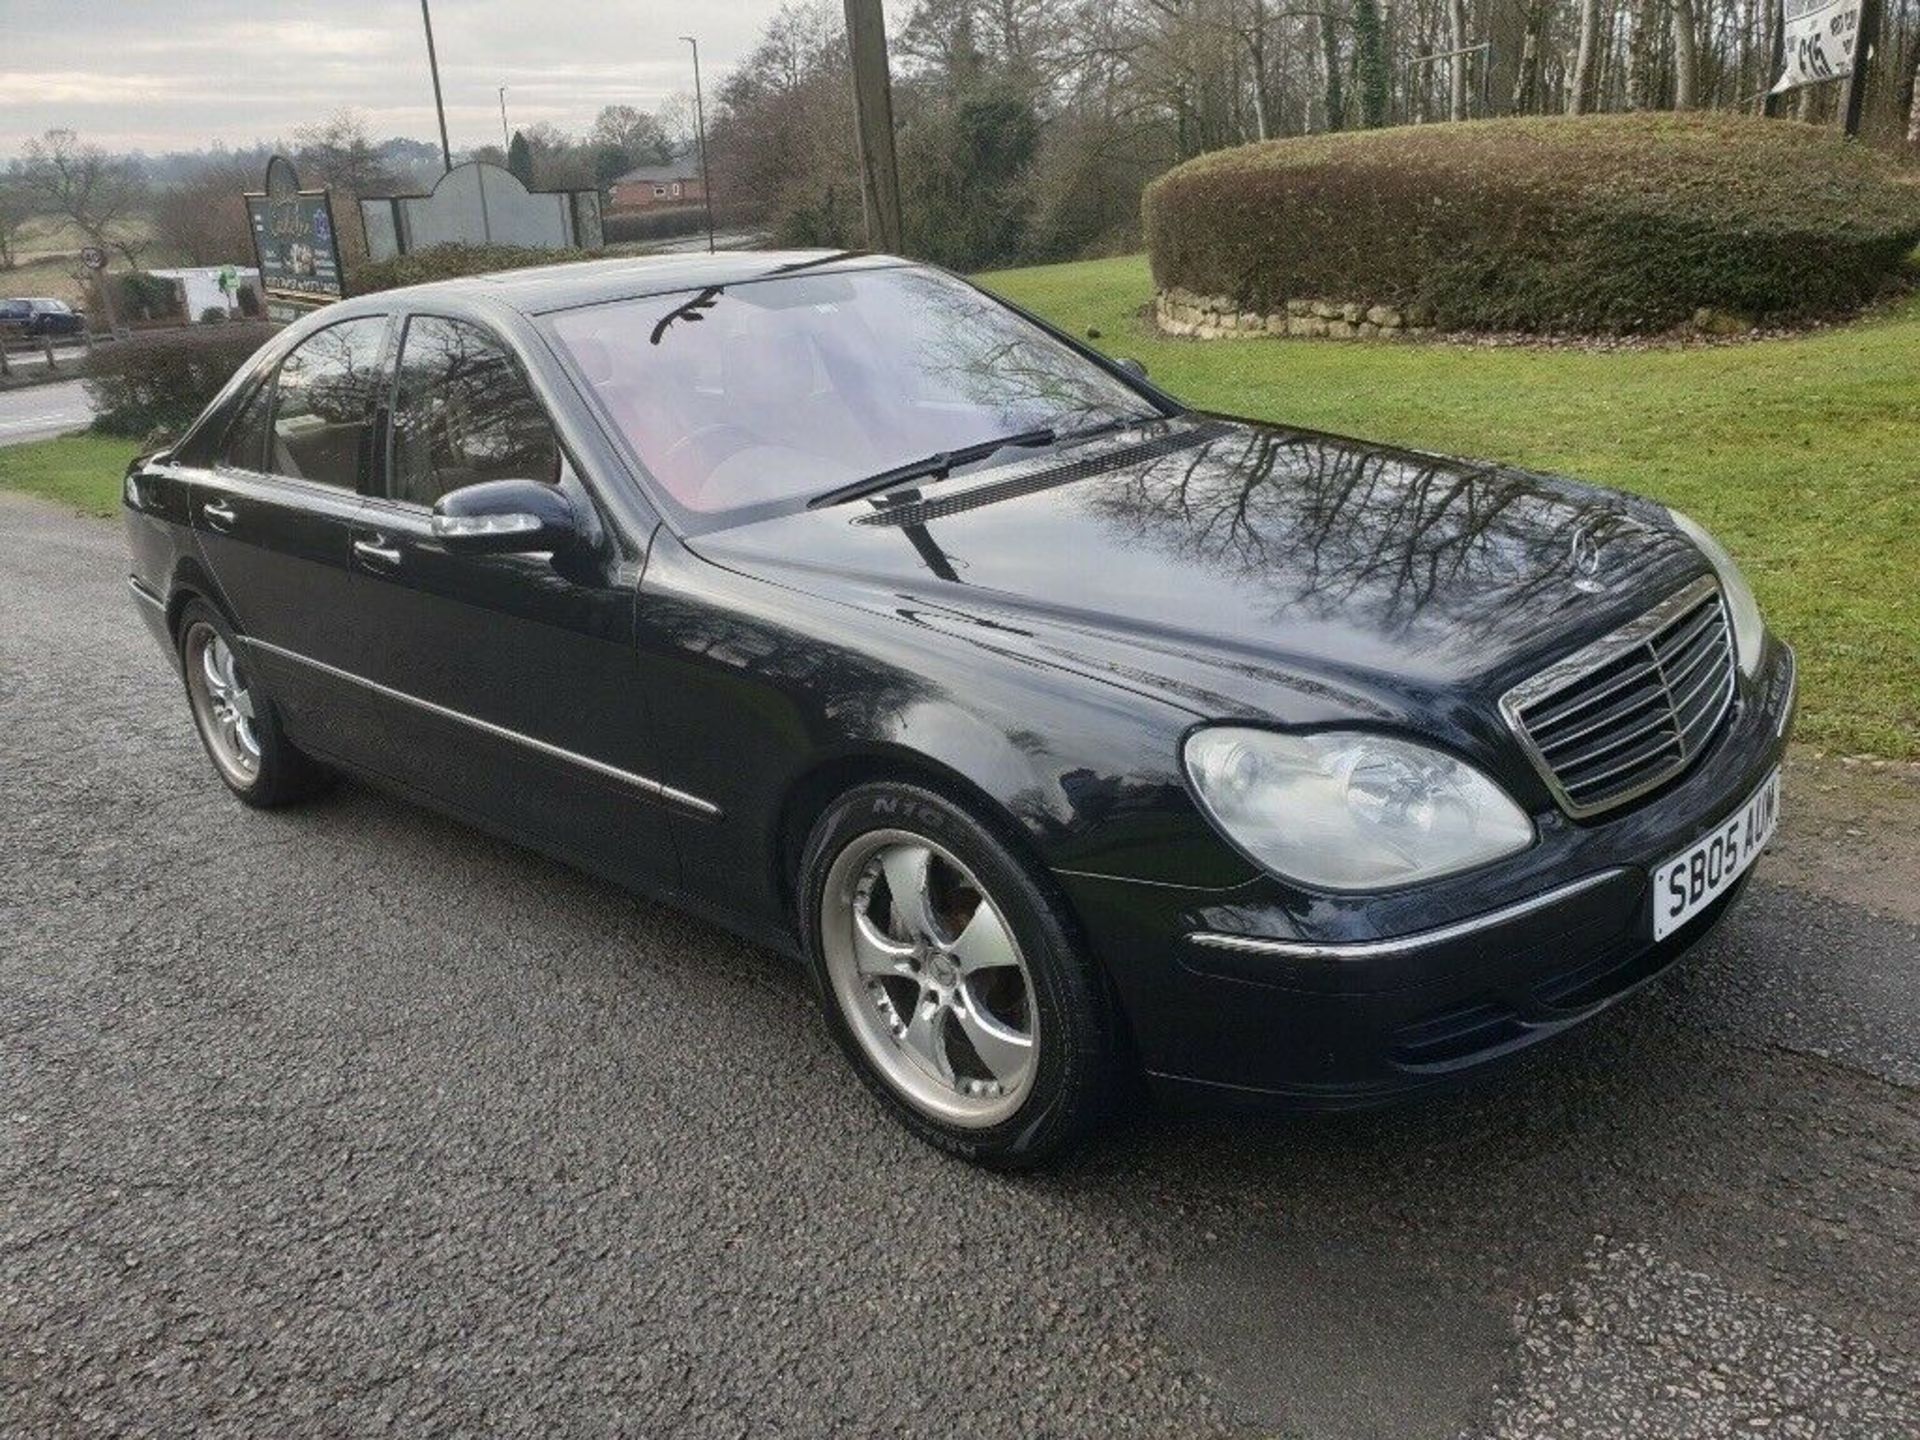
x: 1614, y: 222
x: 444, y: 262
x: 164, y: 378
x: 625, y: 227
x: 148, y: 297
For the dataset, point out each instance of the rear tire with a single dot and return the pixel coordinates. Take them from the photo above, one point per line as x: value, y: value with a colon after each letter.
x: 953, y: 978
x: 235, y: 716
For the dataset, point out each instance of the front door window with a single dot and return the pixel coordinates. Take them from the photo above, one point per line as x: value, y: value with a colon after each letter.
x: 464, y: 414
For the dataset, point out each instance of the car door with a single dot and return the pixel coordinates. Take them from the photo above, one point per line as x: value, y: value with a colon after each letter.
x: 273, y: 517
x: 514, y: 678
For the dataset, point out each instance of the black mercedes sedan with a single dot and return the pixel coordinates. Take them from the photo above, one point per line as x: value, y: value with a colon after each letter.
x: 1065, y: 733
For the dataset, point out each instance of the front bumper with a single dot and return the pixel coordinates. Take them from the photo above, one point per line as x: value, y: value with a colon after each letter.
x: 1252, y: 994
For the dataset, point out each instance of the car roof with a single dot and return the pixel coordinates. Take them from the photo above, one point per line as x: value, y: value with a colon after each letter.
x: 540, y: 289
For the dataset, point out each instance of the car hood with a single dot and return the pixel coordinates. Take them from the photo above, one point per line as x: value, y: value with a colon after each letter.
x: 1237, y: 568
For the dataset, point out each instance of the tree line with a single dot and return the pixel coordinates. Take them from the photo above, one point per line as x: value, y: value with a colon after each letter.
x: 1026, y: 128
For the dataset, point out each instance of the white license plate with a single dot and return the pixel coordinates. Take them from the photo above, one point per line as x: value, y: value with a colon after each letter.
x: 1691, y: 880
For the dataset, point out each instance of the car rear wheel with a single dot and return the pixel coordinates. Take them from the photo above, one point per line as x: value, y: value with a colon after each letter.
x: 236, y: 719
x: 952, y: 979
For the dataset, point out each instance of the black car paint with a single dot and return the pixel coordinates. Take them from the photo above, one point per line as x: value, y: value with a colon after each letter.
x: 1040, y: 647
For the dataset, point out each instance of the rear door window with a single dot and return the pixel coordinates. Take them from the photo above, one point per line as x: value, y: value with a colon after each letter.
x: 323, y: 402
x: 244, y: 446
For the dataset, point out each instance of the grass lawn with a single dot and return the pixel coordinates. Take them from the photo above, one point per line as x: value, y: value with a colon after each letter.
x: 1802, y: 455
x: 79, y: 470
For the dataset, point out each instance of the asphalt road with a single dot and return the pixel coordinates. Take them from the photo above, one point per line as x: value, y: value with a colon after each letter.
x: 347, y: 1120
x: 35, y: 412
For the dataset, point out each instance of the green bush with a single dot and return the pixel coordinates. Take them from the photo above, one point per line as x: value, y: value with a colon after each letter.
x: 148, y: 297
x: 444, y: 262
x: 1597, y: 223
x: 162, y: 379
x: 625, y: 227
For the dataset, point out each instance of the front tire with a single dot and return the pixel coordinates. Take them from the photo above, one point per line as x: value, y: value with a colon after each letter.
x: 953, y: 979
x: 236, y: 719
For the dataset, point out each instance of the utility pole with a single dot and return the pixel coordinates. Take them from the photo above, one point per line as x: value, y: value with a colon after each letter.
x: 1862, y: 47
x: 873, y: 114
x: 506, y: 140
x: 700, y: 128
x: 439, y: 105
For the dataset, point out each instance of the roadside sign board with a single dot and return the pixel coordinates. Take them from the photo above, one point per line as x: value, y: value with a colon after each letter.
x: 93, y: 257
x: 294, y: 239
x: 1818, y: 42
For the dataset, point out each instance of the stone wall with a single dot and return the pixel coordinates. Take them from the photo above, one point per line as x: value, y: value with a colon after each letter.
x: 1216, y: 317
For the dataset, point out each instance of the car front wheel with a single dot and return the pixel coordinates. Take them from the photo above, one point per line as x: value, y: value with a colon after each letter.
x: 952, y: 979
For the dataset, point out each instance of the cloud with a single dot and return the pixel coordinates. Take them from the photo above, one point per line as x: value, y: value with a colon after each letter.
x: 179, y: 74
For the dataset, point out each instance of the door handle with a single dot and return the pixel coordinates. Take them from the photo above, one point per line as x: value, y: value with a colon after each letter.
x: 219, y: 513
x: 374, y: 550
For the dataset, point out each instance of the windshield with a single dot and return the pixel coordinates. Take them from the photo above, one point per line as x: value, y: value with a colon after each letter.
x: 752, y: 395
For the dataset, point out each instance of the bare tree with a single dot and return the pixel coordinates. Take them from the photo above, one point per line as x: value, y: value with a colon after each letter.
x: 1641, y: 52
x: 98, y: 192
x: 1580, y: 87
x: 339, y: 154
x: 1526, y: 77
x: 204, y: 217
x: 1457, y: 67
x: 1686, y: 56
x: 13, y: 214
x: 1913, y: 102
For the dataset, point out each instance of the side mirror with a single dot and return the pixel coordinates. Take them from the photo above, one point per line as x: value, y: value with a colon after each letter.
x: 506, y: 517
x: 1132, y: 366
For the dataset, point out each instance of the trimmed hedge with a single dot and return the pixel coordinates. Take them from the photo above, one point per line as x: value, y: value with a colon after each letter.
x: 162, y: 379
x: 445, y: 262
x: 625, y: 227
x: 1595, y: 223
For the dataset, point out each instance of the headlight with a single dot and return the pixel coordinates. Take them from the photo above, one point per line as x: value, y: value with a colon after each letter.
x: 1748, y: 628
x: 1348, y: 810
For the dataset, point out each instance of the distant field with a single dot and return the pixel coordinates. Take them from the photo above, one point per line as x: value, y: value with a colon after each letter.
x: 1803, y: 455
x: 49, y: 250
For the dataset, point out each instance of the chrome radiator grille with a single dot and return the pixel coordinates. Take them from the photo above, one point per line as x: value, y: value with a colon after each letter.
x: 1632, y: 710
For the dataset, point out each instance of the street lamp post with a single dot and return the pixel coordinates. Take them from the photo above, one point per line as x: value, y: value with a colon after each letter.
x: 439, y: 105
x: 506, y: 141
x: 700, y: 127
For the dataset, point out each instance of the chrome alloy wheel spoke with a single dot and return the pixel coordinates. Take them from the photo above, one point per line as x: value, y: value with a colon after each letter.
x: 1004, y: 1051
x: 909, y: 880
x: 984, y: 942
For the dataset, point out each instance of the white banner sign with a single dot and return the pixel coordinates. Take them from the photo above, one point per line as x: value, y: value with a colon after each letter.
x: 1819, y: 41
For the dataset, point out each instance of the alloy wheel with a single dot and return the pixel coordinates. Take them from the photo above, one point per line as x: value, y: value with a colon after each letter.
x: 222, y: 704
x: 930, y: 978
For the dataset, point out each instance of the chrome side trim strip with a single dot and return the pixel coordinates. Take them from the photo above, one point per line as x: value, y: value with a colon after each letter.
x: 141, y: 592
x: 1400, y: 944
x: 1793, y: 692
x: 653, y: 789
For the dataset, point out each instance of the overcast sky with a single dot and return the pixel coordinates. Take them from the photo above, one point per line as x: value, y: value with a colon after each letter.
x: 177, y: 74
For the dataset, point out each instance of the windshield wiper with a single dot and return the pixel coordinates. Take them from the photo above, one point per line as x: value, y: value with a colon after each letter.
x: 933, y: 466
